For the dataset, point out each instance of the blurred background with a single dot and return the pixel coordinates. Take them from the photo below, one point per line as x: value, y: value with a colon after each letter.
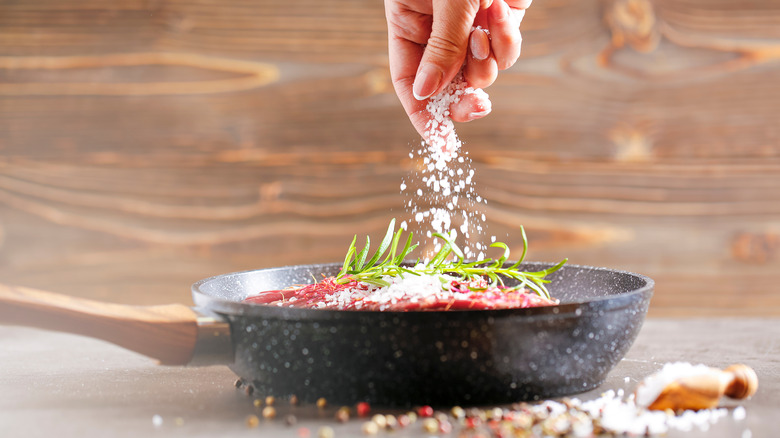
x: 146, y: 144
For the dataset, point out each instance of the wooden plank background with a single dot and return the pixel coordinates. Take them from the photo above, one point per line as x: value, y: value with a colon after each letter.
x: 145, y: 144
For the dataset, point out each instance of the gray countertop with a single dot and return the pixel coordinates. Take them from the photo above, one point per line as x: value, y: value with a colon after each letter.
x: 54, y: 384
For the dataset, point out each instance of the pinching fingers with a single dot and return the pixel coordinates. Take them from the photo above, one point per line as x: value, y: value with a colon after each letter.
x: 505, y: 34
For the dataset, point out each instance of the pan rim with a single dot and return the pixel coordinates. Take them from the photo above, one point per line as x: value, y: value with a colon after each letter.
x: 568, y: 309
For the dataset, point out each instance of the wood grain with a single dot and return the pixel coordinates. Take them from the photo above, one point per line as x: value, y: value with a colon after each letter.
x: 167, y: 332
x: 147, y: 144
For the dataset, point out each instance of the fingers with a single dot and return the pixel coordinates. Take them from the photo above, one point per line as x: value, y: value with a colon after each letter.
x: 505, y: 34
x: 479, y: 44
x: 430, y: 39
x: 446, y: 47
x: 519, y: 4
x: 481, y: 69
x: 471, y: 106
x: 405, y: 56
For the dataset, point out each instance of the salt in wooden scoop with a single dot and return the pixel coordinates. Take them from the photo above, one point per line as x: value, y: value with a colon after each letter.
x: 681, y: 386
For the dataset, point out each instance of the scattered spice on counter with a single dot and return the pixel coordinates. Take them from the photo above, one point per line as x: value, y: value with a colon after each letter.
x: 342, y: 414
x: 252, y: 421
x: 269, y: 412
x: 425, y: 411
x: 430, y: 425
x: 457, y: 412
x: 391, y: 423
x: 613, y: 413
x: 380, y: 420
x: 369, y: 428
x: 326, y: 432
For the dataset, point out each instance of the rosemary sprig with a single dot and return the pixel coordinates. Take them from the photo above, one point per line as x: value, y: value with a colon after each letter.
x: 357, y: 268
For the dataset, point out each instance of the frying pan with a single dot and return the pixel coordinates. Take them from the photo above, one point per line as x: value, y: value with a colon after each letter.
x: 468, y: 357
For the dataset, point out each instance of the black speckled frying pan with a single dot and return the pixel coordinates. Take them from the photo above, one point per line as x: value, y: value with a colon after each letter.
x: 387, y: 358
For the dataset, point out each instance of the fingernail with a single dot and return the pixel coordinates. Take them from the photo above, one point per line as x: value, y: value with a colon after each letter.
x: 478, y: 115
x: 479, y: 44
x: 427, y: 82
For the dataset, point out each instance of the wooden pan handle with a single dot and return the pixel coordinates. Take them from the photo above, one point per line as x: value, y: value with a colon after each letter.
x: 167, y: 333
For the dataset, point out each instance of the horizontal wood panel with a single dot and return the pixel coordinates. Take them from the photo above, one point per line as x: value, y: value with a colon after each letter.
x: 147, y: 144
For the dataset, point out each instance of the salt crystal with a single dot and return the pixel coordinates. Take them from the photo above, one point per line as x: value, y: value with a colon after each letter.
x: 157, y: 420
x: 739, y: 413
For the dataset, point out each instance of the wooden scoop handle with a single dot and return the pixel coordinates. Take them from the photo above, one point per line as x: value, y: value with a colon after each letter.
x: 743, y: 382
x: 167, y: 333
x: 703, y: 391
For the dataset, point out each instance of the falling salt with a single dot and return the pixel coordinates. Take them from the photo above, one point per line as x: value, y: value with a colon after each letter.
x: 443, y: 176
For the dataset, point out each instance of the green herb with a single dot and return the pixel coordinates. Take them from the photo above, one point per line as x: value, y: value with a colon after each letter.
x: 390, y: 263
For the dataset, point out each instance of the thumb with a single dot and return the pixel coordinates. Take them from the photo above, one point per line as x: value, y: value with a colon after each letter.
x: 447, y: 45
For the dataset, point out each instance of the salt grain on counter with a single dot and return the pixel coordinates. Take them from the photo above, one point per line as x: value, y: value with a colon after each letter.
x: 739, y: 413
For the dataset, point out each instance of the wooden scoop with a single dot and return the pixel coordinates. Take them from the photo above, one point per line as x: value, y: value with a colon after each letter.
x: 704, y: 390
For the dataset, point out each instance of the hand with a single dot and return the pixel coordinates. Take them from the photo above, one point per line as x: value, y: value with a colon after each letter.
x: 428, y: 43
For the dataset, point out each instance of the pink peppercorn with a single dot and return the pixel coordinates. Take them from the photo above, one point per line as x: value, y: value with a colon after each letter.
x: 425, y: 411
x: 363, y: 409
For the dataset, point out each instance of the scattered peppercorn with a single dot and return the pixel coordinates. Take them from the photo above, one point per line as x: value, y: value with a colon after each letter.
x: 404, y: 420
x: 430, y: 425
x: 238, y: 383
x: 369, y: 428
x: 269, y: 412
x: 294, y: 400
x: 495, y: 414
x: 471, y: 422
x: 304, y: 432
x: 252, y: 421
x: 363, y: 409
x: 322, y: 403
x: 425, y: 411
x: 290, y: 420
x: 257, y: 403
x: 457, y: 412
x: 380, y: 420
x: 326, y: 432
x: 391, y: 423
x: 342, y: 414
x: 445, y: 426
x: 270, y: 400
x: 248, y: 390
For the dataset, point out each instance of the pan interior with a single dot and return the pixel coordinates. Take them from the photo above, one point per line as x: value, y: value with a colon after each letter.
x: 573, y: 285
